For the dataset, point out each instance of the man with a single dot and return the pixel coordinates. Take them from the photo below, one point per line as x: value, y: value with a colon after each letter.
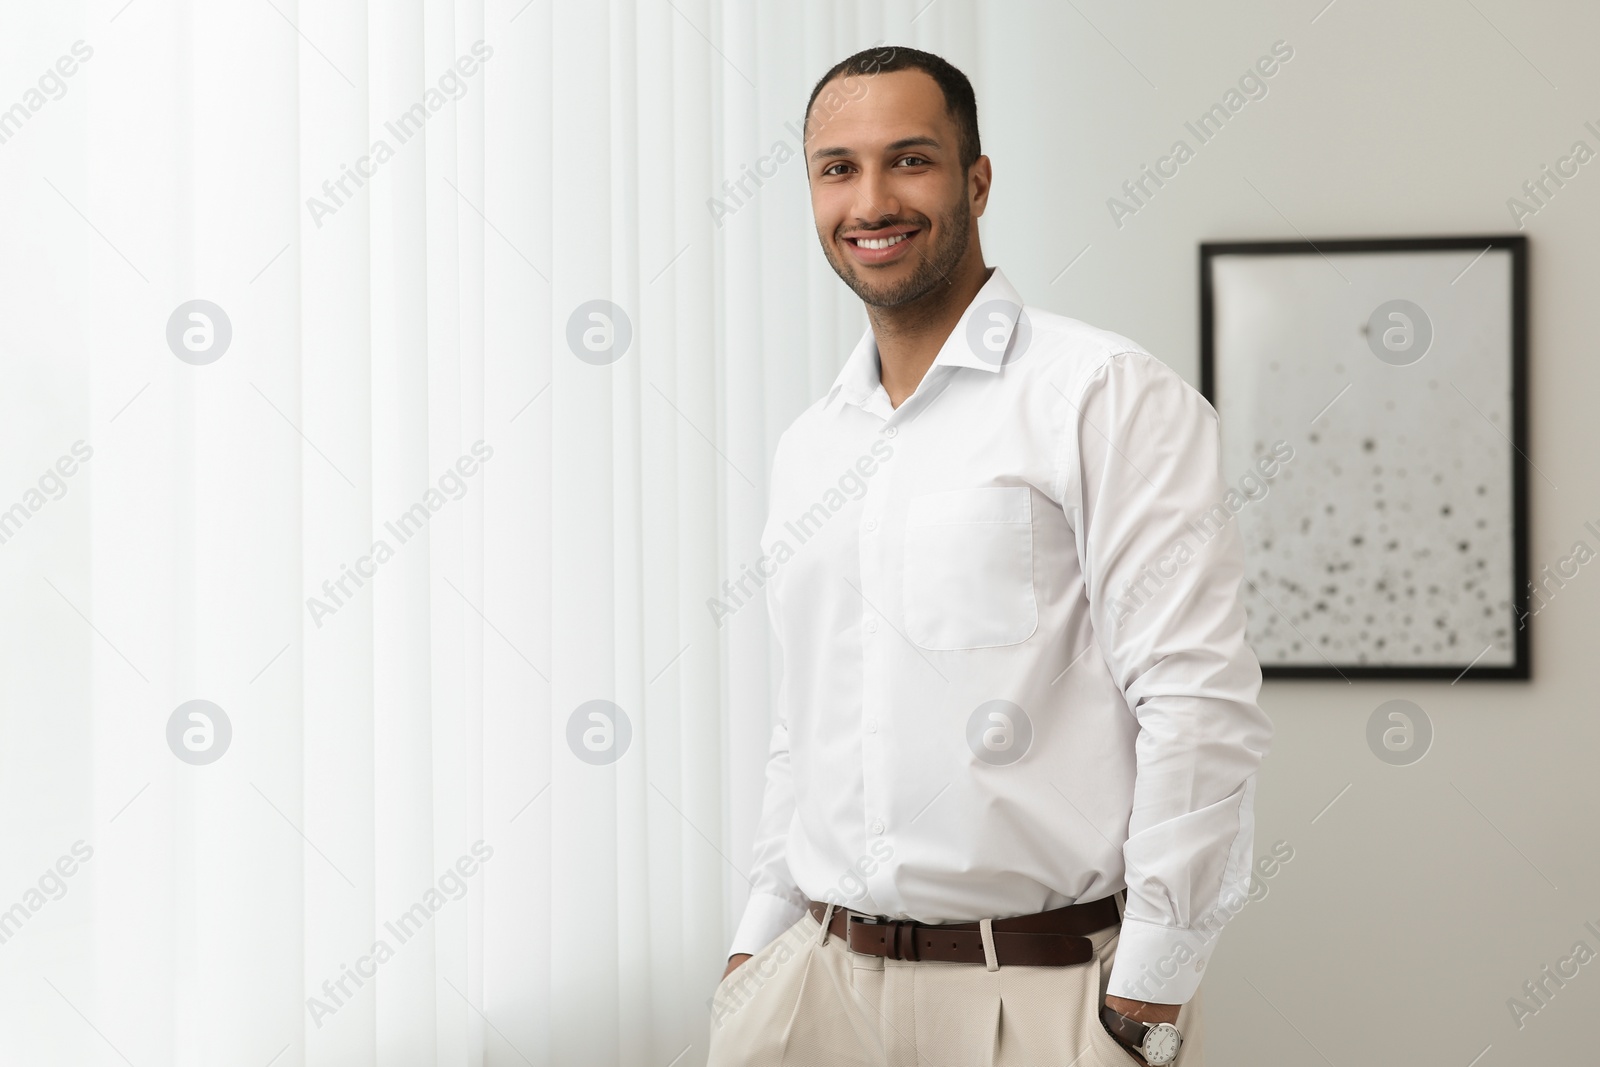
x: 1015, y: 678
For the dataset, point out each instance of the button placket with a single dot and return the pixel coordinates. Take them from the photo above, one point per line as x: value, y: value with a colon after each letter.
x: 875, y: 554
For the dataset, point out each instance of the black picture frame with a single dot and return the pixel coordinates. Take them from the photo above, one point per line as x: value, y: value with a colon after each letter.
x: 1520, y: 599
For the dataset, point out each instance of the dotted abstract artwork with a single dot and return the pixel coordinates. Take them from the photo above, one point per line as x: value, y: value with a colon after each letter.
x: 1387, y: 541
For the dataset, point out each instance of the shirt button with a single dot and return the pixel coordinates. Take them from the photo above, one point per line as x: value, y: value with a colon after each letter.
x: 890, y: 432
x: 871, y: 524
x: 872, y: 626
x: 872, y: 726
x: 877, y: 826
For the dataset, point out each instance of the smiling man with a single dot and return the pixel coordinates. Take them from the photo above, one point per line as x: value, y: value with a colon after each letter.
x: 1009, y: 795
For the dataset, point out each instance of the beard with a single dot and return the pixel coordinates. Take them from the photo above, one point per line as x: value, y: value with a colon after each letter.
x: 934, y: 267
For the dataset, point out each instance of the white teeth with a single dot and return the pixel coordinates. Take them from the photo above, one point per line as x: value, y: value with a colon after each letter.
x: 879, y: 243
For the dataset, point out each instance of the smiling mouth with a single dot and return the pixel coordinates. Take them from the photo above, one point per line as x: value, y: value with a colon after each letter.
x: 877, y: 243
x: 881, y: 249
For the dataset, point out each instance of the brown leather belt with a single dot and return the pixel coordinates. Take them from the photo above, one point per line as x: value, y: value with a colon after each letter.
x: 1054, y: 938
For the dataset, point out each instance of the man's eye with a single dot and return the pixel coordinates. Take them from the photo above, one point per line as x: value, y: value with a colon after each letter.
x: 914, y: 161
x: 828, y: 171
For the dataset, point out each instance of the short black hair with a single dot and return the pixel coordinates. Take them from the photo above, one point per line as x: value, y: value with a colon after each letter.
x: 960, y: 103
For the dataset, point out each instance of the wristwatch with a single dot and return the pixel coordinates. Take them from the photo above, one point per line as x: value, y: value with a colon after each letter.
x: 1158, y: 1043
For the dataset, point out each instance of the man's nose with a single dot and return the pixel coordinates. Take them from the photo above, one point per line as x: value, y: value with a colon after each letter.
x: 875, y: 197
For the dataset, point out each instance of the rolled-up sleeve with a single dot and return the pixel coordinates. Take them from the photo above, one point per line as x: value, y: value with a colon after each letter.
x: 1162, y: 562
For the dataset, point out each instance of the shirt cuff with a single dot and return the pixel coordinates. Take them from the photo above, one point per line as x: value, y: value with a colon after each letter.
x: 1158, y: 964
x: 765, y: 917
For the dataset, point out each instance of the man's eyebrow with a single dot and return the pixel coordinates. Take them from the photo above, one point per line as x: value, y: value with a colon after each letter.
x: 904, y: 142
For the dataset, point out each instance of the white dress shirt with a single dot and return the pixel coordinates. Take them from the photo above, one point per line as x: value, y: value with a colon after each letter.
x: 1005, y: 687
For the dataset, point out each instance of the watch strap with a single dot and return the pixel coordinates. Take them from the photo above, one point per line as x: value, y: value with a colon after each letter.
x: 1129, y: 1031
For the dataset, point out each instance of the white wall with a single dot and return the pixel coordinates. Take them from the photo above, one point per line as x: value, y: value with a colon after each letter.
x: 1427, y: 895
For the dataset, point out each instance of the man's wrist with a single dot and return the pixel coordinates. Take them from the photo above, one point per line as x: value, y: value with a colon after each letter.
x: 1148, y: 1013
x: 1144, y: 1011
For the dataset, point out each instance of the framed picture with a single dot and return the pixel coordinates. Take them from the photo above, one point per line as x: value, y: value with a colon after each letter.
x: 1372, y: 398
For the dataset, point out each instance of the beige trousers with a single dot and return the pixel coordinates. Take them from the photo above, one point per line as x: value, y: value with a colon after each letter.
x: 806, y: 1000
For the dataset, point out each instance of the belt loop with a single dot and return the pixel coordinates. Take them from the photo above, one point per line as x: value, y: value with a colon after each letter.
x: 985, y: 927
x: 1121, y: 898
x: 827, y: 917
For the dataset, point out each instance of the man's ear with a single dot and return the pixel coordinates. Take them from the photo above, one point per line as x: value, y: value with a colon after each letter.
x: 979, y: 177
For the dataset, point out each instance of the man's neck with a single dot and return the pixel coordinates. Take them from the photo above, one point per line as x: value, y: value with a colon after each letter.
x: 909, y: 336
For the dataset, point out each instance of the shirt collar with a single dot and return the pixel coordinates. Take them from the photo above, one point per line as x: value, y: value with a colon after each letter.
x: 859, y: 378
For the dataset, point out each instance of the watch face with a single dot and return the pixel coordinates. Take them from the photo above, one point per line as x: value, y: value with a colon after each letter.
x: 1161, y: 1043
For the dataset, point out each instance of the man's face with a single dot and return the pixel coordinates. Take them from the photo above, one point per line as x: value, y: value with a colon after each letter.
x: 884, y: 166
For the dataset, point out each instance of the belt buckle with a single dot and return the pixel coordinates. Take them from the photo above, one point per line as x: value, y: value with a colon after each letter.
x: 901, y: 939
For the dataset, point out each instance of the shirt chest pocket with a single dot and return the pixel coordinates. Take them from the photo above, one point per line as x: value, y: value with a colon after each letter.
x: 968, y: 568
